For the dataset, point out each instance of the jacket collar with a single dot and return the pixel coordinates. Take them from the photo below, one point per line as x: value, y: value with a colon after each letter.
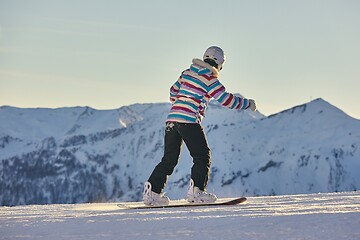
x: 203, y: 64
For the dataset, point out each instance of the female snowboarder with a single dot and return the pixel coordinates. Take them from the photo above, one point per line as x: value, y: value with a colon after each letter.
x: 190, y: 96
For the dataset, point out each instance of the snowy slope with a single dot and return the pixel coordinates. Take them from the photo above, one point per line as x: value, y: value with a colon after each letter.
x: 79, y: 154
x: 334, y: 216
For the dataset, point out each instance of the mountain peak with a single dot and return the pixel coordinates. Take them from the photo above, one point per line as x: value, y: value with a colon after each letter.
x: 318, y: 106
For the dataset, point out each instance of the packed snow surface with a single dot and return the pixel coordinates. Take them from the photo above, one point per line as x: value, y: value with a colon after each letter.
x: 307, y: 216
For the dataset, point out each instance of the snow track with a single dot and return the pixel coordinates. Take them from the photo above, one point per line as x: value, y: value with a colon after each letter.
x: 308, y: 216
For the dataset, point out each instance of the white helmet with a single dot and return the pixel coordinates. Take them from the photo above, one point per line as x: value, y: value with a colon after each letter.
x: 216, y: 54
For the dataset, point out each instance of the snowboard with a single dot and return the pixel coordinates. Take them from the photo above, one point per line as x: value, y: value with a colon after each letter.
x: 184, y: 204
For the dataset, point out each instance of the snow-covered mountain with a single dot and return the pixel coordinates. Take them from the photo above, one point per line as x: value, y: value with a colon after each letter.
x: 80, y: 154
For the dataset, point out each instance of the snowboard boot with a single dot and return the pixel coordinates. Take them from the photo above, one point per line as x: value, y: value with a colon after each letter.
x: 195, y: 195
x: 151, y: 198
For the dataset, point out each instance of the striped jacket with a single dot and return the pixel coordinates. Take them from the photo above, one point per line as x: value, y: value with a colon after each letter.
x: 191, y: 93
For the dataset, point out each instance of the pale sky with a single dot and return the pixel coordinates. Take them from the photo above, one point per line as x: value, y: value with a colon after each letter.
x: 109, y: 53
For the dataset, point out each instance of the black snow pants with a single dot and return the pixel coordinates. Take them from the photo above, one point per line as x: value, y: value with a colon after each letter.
x: 194, y: 137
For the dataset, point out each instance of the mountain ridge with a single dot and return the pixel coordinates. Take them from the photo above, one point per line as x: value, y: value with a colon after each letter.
x: 69, y: 155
